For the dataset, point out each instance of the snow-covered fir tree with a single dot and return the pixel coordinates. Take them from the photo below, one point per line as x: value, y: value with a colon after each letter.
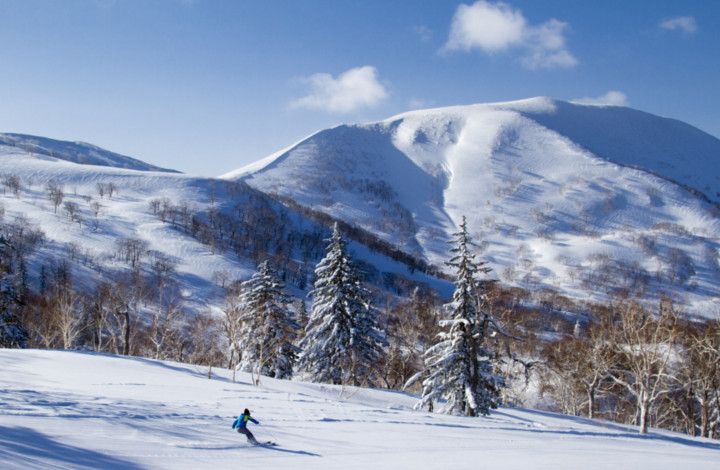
x: 459, y: 368
x: 267, y: 326
x: 343, y: 339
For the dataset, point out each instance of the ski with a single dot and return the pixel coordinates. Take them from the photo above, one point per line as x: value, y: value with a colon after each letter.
x: 267, y: 444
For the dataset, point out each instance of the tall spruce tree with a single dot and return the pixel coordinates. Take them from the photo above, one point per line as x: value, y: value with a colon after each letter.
x: 267, y: 326
x: 459, y: 368
x: 343, y: 339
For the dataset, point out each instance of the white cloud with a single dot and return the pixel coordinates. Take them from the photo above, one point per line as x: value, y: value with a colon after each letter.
x: 353, y: 89
x: 686, y: 24
x: 498, y: 27
x: 546, y: 47
x: 490, y: 27
x: 611, y: 98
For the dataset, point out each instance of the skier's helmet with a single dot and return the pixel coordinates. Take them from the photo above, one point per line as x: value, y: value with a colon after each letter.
x: 247, y: 412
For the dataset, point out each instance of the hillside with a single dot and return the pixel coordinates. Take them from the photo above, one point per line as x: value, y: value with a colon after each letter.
x: 583, y: 200
x: 82, y: 411
x: 76, y: 152
x: 206, y: 228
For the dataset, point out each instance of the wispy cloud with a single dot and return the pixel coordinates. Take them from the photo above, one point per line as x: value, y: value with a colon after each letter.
x: 686, y: 24
x: 424, y: 33
x: 353, y: 89
x: 495, y: 27
x: 611, y: 98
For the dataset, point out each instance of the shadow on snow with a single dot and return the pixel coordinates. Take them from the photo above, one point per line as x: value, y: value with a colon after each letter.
x: 29, y: 448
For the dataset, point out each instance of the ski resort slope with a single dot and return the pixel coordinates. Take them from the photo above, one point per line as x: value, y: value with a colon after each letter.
x: 563, y: 197
x: 86, y: 411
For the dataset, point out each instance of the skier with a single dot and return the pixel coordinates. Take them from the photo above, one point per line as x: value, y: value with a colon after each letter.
x: 241, y: 425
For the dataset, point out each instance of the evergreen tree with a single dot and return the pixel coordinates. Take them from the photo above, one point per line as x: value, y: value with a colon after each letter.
x: 343, y: 339
x: 460, y: 366
x: 267, y: 326
x: 12, y: 333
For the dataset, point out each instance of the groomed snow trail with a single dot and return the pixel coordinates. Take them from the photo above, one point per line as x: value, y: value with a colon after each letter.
x: 81, y: 410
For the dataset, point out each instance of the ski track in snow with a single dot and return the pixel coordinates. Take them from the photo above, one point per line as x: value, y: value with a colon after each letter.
x: 81, y: 411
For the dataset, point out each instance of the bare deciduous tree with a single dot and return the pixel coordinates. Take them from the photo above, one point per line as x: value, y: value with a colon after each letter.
x: 580, y: 364
x: 68, y: 316
x: 72, y: 210
x: 55, y: 194
x: 642, y: 349
x: 231, y: 329
x: 131, y: 250
x: 12, y: 183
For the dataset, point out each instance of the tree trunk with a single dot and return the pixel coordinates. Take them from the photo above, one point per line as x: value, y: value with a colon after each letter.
x: 230, y: 361
x: 704, y: 414
x: 591, y: 402
x: 126, y: 346
x: 643, y: 415
x: 98, y: 329
x: 690, y: 404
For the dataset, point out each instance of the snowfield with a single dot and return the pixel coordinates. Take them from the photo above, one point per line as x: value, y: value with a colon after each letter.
x: 78, y: 410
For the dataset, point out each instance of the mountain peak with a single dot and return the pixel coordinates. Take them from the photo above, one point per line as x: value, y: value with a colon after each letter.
x: 552, y: 187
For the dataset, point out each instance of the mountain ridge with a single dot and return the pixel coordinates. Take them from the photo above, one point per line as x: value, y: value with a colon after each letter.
x: 554, y: 190
x: 76, y: 152
x: 552, y: 113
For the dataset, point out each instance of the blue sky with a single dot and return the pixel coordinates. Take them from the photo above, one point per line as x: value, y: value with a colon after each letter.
x: 206, y: 86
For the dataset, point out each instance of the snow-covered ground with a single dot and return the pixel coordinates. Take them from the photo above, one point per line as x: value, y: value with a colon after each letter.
x: 87, y: 411
x: 562, y: 196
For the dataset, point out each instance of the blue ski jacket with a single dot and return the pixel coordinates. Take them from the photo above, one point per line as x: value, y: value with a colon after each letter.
x: 241, y: 421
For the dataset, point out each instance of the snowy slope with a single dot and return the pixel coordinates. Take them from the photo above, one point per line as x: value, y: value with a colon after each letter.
x: 84, y: 411
x: 128, y: 215
x: 76, y: 152
x: 562, y: 196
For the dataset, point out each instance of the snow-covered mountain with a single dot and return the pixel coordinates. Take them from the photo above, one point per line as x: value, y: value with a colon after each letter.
x: 76, y: 152
x: 208, y: 228
x: 575, y: 198
x: 65, y: 409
